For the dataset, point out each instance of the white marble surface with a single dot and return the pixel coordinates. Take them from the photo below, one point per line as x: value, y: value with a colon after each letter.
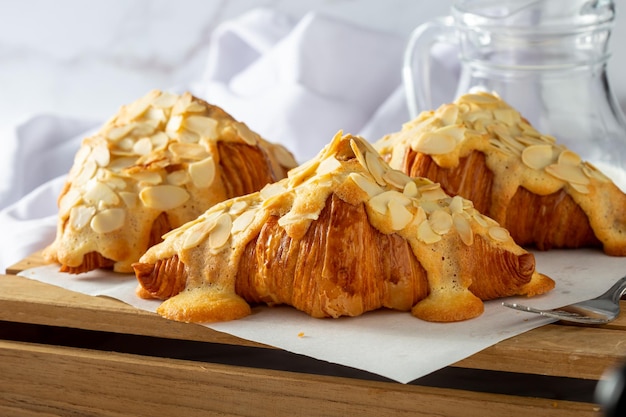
x: 84, y: 58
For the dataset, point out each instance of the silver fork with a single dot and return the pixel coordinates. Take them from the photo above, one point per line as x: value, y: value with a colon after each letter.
x: 599, y: 310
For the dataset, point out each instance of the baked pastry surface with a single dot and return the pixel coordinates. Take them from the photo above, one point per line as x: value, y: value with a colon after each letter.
x: 343, y: 234
x: 158, y: 163
x: 482, y: 149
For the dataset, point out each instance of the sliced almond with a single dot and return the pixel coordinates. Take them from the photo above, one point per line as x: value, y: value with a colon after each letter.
x: 108, y: 220
x: 358, y: 153
x: 97, y: 191
x: 375, y: 167
x: 143, y: 146
x: 499, y: 233
x: 456, y: 204
x: 592, y: 172
x: 537, y: 156
x: 80, y: 216
x: 381, y: 201
x: 173, y: 125
x: 155, y: 114
x: 507, y: 116
x: 202, y: 173
x: 432, y: 192
x: 463, y: 227
x: 195, y: 234
x: 179, y: 178
x: 148, y: 177
x: 192, y: 151
x: 246, y: 134
x: 238, y: 207
x: 457, y: 132
x: 204, y: 126
x: 116, y: 133
x: 159, y: 140
x: 87, y: 172
x: 370, y: 187
x: 400, y: 216
x: 101, y: 154
x: 569, y: 173
x: 165, y: 100
x: 433, y: 143
x: 221, y: 233
x: 327, y: 166
x: 70, y: 199
x: 397, y: 179
x: 440, y: 222
x: 272, y: 190
x: 163, y: 197
x: 410, y: 190
x: 448, y: 114
x: 426, y: 234
x: 242, y: 221
x: 568, y: 157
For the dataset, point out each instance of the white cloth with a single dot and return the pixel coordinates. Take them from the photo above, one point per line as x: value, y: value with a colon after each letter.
x: 295, y: 83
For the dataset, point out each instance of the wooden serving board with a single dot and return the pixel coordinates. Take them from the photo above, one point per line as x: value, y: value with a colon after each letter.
x: 64, y: 353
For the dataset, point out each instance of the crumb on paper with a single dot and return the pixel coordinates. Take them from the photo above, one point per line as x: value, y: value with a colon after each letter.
x: 301, y: 334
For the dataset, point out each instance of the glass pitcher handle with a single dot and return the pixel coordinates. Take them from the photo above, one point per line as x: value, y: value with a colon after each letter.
x: 417, y: 61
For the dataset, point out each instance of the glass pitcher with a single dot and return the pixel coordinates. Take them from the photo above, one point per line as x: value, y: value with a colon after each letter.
x: 546, y: 58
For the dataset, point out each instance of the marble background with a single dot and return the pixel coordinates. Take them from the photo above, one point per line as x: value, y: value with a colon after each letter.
x: 84, y: 58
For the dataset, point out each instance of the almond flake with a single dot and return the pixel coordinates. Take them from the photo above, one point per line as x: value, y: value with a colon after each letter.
x: 246, y: 134
x: 272, y: 190
x: 147, y: 177
x: 143, y: 146
x: 410, y: 190
x: 426, y: 234
x: 163, y: 197
x: 178, y: 178
x: 400, y: 216
x: 155, y: 114
x: 70, y: 199
x: 327, y: 166
x: 568, y: 173
x: 440, y: 222
x: 204, y: 126
x: 456, y: 204
x: 165, y: 100
x: 130, y: 199
x: 195, y: 234
x: 370, y: 187
x: 86, y: 173
x: 191, y: 151
x: 396, y: 178
x: 432, y: 192
x: 187, y: 136
x: 448, y: 114
x: 375, y: 167
x: 592, y: 172
x: 238, y: 207
x: 101, y: 154
x: 100, y: 192
x: 202, y: 173
x: 499, y: 233
x: 507, y: 116
x: 432, y: 143
x: 80, y: 216
x: 173, y: 125
x: 463, y: 227
x: 108, y: 220
x: 568, y: 157
x: 537, y: 156
x: 358, y: 153
x: 159, y: 140
x: 118, y: 132
x: 244, y: 220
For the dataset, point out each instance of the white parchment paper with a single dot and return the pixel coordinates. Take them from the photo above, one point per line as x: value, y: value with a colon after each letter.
x: 392, y: 344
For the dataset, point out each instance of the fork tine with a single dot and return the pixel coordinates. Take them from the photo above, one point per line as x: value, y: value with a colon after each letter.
x: 557, y: 314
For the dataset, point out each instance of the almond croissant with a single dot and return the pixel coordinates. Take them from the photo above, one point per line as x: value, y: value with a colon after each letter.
x: 159, y: 163
x: 482, y: 149
x: 342, y: 235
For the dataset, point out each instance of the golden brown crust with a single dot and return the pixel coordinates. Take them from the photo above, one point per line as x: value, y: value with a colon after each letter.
x: 330, y: 262
x: 543, y: 221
